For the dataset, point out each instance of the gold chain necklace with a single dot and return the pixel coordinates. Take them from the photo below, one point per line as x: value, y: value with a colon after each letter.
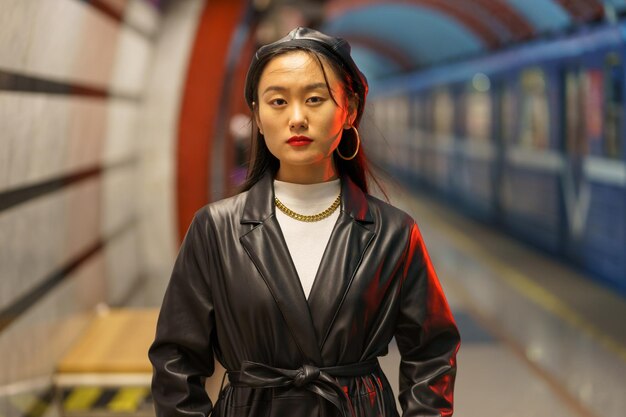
x: 310, y: 218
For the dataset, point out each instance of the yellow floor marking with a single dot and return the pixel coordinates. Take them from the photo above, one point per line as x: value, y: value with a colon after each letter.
x: 39, y: 409
x: 128, y: 399
x: 527, y: 287
x: 29, y: 404
x: 82, y: 398
x: 23, y: 402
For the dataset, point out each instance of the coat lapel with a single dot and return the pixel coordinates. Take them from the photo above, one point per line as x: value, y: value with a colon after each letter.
x: 344, y: 252
x: 265, y: 244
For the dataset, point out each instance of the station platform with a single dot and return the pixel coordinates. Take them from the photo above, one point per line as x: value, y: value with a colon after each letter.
x: 539, y: 338
x: 105, y: 373
x: 107, y: 370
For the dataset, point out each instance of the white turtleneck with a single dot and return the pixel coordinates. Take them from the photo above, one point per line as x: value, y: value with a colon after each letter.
x: 307, y: 241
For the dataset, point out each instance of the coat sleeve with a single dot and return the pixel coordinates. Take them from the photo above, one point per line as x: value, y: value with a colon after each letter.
x: 427, y: 337
x: 182, y: 352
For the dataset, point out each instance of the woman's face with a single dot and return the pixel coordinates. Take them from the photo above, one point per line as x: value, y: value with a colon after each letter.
x: 301, y: 123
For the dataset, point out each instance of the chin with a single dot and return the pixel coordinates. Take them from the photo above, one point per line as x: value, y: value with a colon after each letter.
x: 303, y: 158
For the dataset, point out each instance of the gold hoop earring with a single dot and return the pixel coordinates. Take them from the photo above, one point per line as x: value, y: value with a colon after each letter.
x: 358, y: 144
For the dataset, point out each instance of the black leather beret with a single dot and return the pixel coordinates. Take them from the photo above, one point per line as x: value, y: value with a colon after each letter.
x: 312, y: 40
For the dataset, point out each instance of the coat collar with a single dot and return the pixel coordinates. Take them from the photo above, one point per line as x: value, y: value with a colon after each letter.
x: 260, y: 201
x: 309, y: 321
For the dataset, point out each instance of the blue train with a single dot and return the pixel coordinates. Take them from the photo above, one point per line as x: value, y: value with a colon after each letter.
x: 530, y: 138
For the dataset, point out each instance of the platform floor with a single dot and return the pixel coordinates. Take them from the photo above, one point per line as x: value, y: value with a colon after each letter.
x: 539, y: 338
x: 116, y: 341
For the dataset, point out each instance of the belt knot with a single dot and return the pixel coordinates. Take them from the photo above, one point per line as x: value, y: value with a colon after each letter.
x: 306, y: 374
x: 320, y: 381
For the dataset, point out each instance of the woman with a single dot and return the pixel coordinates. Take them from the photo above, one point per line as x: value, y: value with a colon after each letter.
x: 299, y: 283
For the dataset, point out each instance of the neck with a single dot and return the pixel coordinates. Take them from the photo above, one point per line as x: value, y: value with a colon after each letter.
x: 306, y: 174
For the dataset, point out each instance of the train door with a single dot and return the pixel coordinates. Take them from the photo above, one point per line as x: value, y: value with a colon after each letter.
x: 575, y: 196
x: 532, y: 162
x: 505, y: 127
x: 594, y: 181
x: 457, y: 177
x: 478, y: 148
x: 614, y: 146
x: 442, y: 158
x: 600, y: 229
x: 443, y: 138
x: 402, y: 136
x: 415, y: 129
x: 612, y: 151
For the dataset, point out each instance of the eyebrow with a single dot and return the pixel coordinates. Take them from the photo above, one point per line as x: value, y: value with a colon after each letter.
x: 306, y: 88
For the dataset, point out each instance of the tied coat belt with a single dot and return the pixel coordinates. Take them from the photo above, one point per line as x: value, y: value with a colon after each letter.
x: 320, y: 381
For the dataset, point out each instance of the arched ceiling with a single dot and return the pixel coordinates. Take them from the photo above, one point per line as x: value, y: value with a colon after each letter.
x: 391, y: 37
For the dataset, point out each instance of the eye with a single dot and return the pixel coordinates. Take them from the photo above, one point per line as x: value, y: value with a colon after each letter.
x: 315, y: 100
x: 277, y: 102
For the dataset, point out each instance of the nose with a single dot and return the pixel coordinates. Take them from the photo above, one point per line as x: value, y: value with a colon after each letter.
x: 298, y: 119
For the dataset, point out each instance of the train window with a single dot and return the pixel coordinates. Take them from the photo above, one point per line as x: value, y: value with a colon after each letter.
x: 389, y: 113
x: 509, y: 114
x: 535, y: 111
x: 416, y: 113
x: 593, y: 96
x: 401, y: 111
x: 379, y: 114
x: 613, y: 105
x: 443, y: 113
x: 425, y: 120
x: 574, y: 121
x: 478, y: 109
x: 375, y: 107
x: 391, y: 116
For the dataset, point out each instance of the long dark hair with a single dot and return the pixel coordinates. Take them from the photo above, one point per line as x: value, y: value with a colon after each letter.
x: 261, y: 159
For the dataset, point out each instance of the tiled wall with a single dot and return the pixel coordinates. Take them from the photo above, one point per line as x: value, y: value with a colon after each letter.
x: 158, y: 127
x: 73, y: 79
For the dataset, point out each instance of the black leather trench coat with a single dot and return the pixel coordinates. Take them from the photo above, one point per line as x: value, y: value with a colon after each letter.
x: 234, y: 293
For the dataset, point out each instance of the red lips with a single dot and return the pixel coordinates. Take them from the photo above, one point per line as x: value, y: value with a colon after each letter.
x: 299, y: 140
